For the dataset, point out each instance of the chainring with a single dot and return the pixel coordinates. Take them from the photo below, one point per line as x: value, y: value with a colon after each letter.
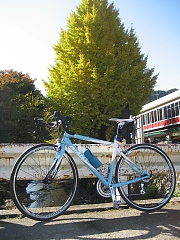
x: 102, y: 189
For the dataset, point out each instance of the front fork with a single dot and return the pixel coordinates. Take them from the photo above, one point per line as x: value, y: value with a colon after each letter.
x: 55, y: 165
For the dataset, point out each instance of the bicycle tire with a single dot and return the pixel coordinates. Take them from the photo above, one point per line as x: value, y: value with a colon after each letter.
x: 35, y: 198
x: 151, y: 194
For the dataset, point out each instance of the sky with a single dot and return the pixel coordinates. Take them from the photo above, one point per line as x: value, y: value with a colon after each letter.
x: 30, y: 28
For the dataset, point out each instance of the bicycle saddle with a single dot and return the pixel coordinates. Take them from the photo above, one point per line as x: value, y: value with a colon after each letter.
x: 125, y: 120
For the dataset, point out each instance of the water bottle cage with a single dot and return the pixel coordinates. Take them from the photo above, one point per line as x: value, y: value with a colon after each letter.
x: 92, y: 159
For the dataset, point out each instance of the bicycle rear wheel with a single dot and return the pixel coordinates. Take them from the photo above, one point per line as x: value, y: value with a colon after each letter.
x: 35, y: 197
x: 149, y: 194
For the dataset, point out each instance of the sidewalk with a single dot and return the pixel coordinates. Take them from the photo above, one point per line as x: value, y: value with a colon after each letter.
x: 72, y: 209
x: 99, y: 221
x: 12, y: 213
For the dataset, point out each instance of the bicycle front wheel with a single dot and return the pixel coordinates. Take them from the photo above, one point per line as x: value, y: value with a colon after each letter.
x: 36, y: 197
x: 152, y: 193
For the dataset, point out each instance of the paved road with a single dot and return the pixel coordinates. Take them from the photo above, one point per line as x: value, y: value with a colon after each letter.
x: 97, y: 222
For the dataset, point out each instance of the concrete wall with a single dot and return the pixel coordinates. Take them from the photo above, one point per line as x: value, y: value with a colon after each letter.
x: 9, y: 153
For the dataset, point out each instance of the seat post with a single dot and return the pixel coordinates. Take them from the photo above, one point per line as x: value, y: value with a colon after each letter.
x: 118, y: 136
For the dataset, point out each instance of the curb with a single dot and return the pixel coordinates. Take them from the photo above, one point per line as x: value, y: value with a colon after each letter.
x: 13, y: 213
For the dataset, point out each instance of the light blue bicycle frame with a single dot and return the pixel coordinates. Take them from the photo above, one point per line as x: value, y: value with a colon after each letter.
x: 66, y: 142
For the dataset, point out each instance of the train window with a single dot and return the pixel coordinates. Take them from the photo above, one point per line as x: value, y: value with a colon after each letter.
x: 172, y: 110
x: 165, y: 112
x: 160, y: 113
x: 169, y: 111
x: 176, y: 109
x: 148, y: 118
x: 143, y: 119
x: 152, y: 117
x: 155, y: 116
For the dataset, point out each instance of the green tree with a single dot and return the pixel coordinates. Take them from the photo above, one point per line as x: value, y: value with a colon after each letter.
x: 20, y: 102
x: 98, y: 69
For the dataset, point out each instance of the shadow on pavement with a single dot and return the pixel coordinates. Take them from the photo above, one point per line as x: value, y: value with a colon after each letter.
x: 165, y: 222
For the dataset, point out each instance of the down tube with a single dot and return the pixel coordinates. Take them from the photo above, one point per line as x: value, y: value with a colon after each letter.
x: 85, y: 161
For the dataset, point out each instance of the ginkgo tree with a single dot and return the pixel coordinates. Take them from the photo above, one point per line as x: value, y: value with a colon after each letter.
x: 99, y: 67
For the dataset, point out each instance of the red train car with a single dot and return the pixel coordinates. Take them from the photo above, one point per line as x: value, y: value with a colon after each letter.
x: 160, y: 119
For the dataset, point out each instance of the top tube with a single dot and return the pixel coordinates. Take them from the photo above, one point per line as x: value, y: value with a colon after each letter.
x: 85, y: 138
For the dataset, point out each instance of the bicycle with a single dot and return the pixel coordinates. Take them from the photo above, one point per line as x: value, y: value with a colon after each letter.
x: 50, y: 175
